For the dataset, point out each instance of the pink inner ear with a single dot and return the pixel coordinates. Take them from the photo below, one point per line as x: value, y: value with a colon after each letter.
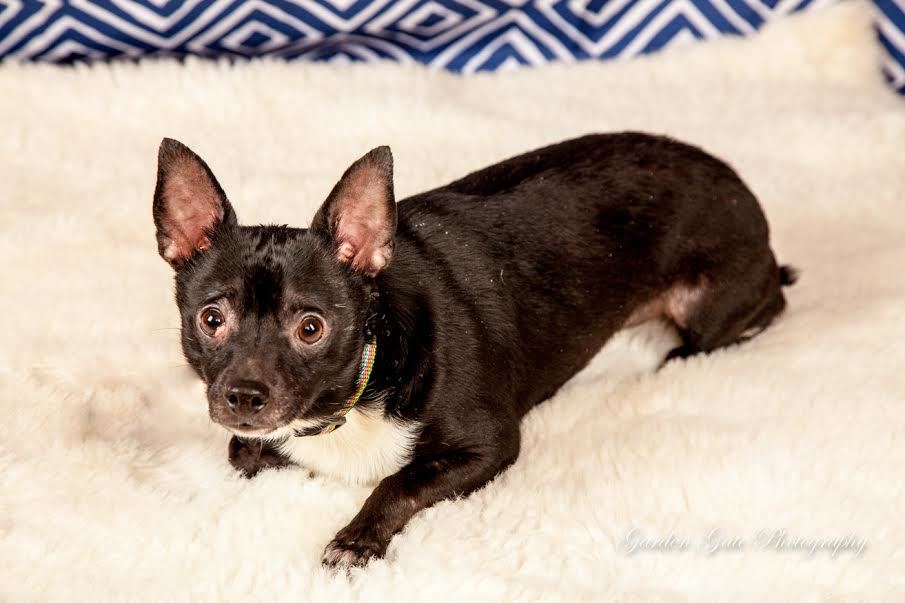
x: 363, y: 230
x: 192, y: 209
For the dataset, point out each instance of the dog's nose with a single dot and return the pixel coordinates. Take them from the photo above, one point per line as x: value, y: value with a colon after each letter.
x: 247, y: 397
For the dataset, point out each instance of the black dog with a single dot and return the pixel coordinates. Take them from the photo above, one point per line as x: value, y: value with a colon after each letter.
x: 401, y: 344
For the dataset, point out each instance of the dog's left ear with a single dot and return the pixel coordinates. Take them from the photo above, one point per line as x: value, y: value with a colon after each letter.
x: 359, y: 216
x: 190, y: 208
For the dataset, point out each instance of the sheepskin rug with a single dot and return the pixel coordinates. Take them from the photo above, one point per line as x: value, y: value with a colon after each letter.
x: 773, y: 469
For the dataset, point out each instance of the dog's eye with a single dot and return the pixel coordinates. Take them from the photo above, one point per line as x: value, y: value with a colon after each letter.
x: 210, y: 320
x: 311, y: 330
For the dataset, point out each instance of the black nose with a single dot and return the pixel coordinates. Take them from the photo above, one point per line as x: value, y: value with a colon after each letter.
x: 247, y: 397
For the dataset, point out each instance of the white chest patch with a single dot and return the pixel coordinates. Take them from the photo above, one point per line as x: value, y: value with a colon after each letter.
x: 366, y: 449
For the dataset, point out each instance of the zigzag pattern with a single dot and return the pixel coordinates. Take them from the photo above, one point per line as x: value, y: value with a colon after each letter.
x: 464, y: 36
x: 459, y: 35
x: 890, y: 25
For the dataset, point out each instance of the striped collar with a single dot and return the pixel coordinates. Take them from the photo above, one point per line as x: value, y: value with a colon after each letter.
x: 364, y: 373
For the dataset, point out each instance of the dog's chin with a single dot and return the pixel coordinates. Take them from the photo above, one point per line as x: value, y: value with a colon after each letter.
x: 286, y: 426
x: 252, y: 431
x: 277, y: 433
x: 272, y: 432
x: 274, y: 427
x: 261, y: 432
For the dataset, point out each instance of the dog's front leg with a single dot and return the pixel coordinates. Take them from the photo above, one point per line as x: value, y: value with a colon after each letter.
x: 397, y: 498
x: 250, y: 456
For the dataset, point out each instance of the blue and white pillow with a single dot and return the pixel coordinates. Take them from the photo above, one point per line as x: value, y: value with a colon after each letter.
x: 458, y: 35
x: 890, y: 24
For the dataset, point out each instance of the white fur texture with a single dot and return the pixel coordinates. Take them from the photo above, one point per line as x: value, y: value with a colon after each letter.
x: 114, y: 483
x: 365, y: 450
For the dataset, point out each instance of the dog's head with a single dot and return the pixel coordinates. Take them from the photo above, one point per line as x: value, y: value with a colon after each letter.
x: 274, y: 319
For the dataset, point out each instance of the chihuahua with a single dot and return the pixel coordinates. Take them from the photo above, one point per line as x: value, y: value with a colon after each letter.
x: 400, y: 344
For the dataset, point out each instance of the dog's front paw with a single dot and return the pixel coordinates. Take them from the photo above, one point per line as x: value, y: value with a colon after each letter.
x: 353, y: 548
x: 249, y: 457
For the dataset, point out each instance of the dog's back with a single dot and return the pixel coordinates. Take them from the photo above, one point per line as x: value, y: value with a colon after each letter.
x: 544, y: 256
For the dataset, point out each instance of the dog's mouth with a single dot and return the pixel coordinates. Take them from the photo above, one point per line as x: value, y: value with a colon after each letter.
x: 247, y: 429
x: 272, y: 425
x: 284, y: 424
x: 250, y: 431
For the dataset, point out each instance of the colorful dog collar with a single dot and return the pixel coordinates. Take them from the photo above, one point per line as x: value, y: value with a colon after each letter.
x: 364, y: 373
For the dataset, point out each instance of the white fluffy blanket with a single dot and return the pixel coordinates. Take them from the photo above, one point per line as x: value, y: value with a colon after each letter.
x: 114, y: 483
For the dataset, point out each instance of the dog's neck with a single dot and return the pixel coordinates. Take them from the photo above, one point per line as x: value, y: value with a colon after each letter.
x: 338, y: 419
x: 401, y: 318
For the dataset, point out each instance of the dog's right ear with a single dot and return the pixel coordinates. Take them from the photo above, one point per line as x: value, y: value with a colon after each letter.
x: 189, y: 205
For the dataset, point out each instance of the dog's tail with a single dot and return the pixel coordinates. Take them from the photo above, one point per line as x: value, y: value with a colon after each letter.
x: 788, y: 275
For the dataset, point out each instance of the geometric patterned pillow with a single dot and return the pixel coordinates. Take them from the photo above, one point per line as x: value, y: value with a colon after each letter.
x: 463, y: 36
x: 890, y: 25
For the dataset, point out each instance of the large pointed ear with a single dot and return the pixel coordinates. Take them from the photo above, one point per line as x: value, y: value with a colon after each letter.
x: 359, y: 216
x: 189, y: 205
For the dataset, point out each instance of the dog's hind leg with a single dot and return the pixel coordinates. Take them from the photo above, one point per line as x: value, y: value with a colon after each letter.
x: 714, y: 313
